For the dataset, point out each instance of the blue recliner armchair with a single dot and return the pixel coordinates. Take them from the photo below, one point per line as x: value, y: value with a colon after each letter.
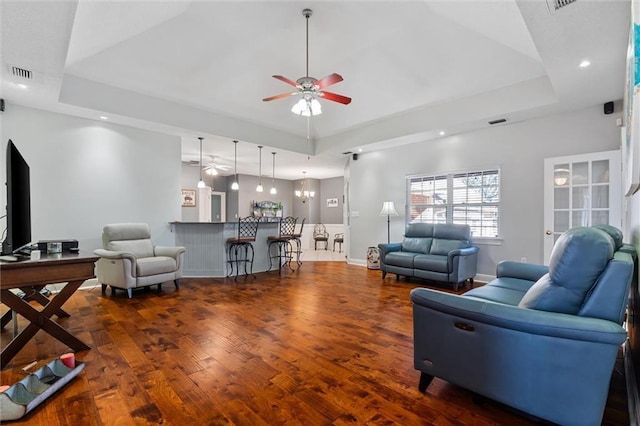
x: 542, y: 340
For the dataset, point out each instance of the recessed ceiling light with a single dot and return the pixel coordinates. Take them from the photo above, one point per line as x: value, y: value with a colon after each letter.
x: 584, y: 64
x: 442, y: 133
x: 22, y: 86
x: 359, y: 149
x: 104, y: 117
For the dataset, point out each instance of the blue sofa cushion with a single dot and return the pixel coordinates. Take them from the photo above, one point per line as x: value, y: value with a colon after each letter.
x: 419, y: 230
x: 443, y: 247
x: 400, y: 258
x: 416, y: 245
x: 613, y: 232
x: 577, y: 260
x: 491, y: 293
x: 430, y: 262
x: 450, y: 231
x: 602, y: 301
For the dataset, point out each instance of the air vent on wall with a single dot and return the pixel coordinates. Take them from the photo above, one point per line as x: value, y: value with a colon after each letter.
x: 554, y: 5
x: 22, y: 73
x: 498, y: 121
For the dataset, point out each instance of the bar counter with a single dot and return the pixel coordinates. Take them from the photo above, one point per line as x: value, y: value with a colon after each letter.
x: 206, y: 254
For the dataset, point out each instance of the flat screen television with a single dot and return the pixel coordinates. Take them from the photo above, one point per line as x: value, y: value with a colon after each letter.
x: 18, y: 232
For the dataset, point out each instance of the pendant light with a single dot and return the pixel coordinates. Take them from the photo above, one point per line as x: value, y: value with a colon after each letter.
x: 234, y: 185
x: 273, y: 191
x: 201, y: 183
x: 259, y: 187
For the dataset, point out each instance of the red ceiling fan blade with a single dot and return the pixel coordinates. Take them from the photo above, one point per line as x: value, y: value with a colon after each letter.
x: 280, y: 96
x: 335, y: 97
x: 286, y: 80
x: 329, y: 80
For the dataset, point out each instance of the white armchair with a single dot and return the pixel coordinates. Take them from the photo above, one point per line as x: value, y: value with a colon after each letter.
x: 129, y: 259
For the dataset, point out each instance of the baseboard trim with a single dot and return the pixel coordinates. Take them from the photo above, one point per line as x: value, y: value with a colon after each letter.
x: 633, y: 399
x: 357, y: 262
x: 89, y: 284
x: 482, y: 278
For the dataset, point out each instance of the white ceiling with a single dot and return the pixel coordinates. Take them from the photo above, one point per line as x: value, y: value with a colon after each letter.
x: 413, y: 69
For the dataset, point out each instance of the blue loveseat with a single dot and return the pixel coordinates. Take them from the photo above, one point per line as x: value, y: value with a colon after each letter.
x: 541, y: 339
x: 439, y: 252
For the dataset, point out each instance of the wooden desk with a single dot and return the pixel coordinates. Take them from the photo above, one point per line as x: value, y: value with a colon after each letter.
x: 31, y: 276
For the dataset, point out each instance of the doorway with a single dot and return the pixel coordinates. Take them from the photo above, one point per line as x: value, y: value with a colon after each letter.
x: 218, y: 206
x: 581, y: 190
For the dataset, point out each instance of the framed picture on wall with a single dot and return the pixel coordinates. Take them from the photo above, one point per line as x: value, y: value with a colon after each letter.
x: 188, y: 198
x: 631, y: 132
x: 332, y: 202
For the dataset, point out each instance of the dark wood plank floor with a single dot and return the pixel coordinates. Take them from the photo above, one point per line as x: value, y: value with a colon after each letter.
x: 327, y: 344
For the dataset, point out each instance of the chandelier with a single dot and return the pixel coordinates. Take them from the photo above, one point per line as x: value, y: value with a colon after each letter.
x: 304, y: 194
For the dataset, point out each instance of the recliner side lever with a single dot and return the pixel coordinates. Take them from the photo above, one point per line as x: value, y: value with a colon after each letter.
x: 464, y: 326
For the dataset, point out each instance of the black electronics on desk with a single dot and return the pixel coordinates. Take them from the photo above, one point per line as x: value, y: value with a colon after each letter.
x: 67, y: 245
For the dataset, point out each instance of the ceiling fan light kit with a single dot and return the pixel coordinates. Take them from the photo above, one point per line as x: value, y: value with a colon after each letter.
x: 309, y: 87
x: 307, y: 107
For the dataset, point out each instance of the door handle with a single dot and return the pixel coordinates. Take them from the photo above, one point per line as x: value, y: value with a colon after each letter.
x: 548, y: 232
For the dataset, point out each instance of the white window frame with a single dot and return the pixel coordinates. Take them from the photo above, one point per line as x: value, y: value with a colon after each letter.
x: 444, y: 209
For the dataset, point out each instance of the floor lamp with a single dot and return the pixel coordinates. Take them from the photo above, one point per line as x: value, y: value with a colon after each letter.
x: 388, y: 209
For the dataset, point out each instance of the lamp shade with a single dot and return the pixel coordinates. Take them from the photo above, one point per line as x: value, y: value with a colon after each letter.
x: 388, y: 209
x: 307, y: 107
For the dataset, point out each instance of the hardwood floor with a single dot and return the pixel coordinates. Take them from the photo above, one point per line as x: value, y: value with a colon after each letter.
x: 327, y: 344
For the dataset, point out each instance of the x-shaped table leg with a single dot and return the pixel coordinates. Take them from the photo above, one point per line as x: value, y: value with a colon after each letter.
x: 40, y: 320
x: 34, y: 294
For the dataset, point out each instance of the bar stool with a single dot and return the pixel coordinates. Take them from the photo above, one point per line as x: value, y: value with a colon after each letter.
x: 297, y: 238
x: 282, y: 242
x: 239, y: 246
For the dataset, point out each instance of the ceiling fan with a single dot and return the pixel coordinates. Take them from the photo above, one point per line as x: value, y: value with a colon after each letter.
x: 310, y: 88
x: 210, y: 165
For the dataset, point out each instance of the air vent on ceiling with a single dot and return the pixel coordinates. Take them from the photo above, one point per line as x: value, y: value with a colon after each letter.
x: 22, y: 72
x: 498, y: 121
x: 554, y: 5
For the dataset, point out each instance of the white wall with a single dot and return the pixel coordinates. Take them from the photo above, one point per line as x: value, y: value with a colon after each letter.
x: 85, y: 174
x: 519, y: 149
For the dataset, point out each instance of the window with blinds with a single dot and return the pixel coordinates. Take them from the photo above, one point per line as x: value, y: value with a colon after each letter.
x: 471, y: 198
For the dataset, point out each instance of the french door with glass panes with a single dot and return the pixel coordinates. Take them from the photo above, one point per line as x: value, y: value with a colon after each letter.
x: 580, y: 190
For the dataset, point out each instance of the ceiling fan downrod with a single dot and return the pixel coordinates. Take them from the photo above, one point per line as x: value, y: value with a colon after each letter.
x: 307, y: 14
